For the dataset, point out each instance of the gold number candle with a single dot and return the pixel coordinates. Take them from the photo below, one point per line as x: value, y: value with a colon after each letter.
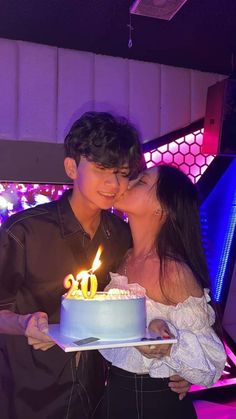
x: 84, y: 284
x: 72, y: 284
x: 84, y: 279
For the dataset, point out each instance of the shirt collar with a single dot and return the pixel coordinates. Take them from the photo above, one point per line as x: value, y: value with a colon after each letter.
x: 69, y: 223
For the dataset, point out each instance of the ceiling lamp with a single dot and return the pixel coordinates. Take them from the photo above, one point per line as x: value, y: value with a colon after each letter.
x: 159, y: 9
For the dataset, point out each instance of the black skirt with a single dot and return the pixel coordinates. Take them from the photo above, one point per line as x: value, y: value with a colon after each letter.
x: 138, y: 396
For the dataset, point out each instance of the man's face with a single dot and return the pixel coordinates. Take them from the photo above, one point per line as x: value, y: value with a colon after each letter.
x: 141, y: 197
x: 97, y: 186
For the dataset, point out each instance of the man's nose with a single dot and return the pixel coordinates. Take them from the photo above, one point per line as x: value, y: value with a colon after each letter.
x: 113, y: 179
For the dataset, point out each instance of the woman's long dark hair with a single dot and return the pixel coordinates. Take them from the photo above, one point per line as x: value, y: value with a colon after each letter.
x: 180, y: 236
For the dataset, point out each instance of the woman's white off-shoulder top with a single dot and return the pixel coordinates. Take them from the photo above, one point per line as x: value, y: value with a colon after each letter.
x: 198, y: 356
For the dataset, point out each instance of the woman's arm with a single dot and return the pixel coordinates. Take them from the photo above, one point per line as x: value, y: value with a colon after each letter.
x: 199, y: 355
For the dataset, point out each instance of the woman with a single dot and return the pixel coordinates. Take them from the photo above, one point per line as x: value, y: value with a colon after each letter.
x: 167, y: 262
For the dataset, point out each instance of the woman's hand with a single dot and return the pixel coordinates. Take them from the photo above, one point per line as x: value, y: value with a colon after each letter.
x: 157, y: 327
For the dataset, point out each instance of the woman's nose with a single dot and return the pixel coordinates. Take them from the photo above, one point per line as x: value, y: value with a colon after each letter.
x: 133, y: 182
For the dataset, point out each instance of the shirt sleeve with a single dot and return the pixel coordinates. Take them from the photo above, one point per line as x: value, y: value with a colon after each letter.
x: 12, y: 267
x: 199, y: 355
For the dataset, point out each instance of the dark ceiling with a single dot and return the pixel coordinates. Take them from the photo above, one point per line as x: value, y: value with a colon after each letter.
x: 202, y: 35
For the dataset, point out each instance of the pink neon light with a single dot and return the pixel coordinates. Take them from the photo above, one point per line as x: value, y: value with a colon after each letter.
x: 185, y: 153
x: 230, y: 354
x: 221, y: 383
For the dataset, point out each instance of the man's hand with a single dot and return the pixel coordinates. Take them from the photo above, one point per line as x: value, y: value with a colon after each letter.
x: 36, y: 329
x: 179, y: 385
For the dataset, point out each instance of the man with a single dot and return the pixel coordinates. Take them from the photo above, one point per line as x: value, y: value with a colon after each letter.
x: 38, y: 248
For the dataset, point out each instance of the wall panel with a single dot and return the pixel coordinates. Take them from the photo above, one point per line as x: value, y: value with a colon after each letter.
x: 37, y: 92
x: 199, y: 84
x: 175, y: 98
x: 8, y: 89
x: 75, y: 87
x: 111, y: 91
x: 144, y: 98
x: 44, y: 89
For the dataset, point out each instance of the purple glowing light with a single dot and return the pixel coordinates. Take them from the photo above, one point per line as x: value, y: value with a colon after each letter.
x: 15, y: 197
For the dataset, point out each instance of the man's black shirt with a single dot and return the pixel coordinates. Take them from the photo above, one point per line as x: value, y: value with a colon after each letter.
x: 38, y: 248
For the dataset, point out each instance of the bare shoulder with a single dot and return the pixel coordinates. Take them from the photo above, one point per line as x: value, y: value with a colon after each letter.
x: 180, y: 283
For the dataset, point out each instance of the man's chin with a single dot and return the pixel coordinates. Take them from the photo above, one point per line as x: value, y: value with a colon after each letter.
x: 118, y: 207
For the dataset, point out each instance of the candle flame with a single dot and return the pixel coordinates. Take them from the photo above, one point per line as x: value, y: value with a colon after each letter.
x: 82, y: 275
x: 97, y: 262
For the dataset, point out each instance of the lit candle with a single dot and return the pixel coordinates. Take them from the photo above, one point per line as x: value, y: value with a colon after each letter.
x: 71, y: 284
x: 84, y: 278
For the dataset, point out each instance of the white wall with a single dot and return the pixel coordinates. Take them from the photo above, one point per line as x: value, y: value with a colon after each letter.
x: 44, y: 89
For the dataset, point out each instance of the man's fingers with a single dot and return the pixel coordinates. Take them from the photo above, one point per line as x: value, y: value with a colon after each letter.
x: 36, y: 330
x: 38, y: 344
x: 37, y: 327
x: 42, y: 321
x: 176, y: 377
x: 179, y: 389
x: 34, y: 341
x: 179, y: 385
x: 43, y: 346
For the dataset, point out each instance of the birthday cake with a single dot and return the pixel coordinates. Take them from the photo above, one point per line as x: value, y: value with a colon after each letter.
x: 113, y: 315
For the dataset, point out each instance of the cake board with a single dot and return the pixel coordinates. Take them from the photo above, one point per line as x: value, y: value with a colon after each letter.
x: 69, y: 344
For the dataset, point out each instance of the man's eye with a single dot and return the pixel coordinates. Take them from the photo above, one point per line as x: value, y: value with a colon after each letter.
x: 98, y: 166
x: 124, y: 174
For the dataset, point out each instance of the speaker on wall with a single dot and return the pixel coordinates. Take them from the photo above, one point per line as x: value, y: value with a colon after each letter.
x: 220, y: 119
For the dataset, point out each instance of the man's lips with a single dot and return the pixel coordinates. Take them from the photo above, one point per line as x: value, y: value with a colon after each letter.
x: 108, y: 195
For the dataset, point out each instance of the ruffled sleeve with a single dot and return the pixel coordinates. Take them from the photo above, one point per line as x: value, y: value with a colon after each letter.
x: 121, y: 282
x: 199, y: 355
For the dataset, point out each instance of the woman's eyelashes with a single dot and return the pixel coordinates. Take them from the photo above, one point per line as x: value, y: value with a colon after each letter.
x: 142, y: 181
x: 124, y: 174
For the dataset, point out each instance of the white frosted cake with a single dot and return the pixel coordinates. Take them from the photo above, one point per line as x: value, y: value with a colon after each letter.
x: 113, y: 315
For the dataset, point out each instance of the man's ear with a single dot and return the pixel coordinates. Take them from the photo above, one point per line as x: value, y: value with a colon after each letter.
x: 70, y: 168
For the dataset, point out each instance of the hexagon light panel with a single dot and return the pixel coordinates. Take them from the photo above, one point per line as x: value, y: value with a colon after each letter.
x: 184, y: 153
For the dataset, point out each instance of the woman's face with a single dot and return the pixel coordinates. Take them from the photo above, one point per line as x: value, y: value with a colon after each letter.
x: 140, y: 198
